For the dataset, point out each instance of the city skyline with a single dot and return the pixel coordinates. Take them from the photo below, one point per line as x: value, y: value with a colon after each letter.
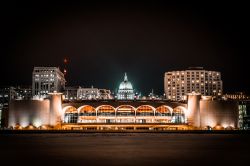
x: 102, y: 41
x: 114, y: 90
x: 124, y: 83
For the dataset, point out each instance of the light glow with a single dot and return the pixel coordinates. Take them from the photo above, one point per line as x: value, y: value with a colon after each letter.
x: 37, y: 123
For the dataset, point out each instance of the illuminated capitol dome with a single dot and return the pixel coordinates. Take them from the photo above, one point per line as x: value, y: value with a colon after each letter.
x: 197, y: 112
x: 125, y: 91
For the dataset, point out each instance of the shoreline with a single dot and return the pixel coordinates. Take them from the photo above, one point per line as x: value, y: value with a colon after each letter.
x: 124, y: 131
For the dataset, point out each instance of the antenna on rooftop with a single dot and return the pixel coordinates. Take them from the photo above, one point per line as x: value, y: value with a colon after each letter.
x: 65, y: 67
x: 65, y: 63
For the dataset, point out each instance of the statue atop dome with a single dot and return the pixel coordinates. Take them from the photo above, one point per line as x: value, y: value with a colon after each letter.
x: 126, y: 91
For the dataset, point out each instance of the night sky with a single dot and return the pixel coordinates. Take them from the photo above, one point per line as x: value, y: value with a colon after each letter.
x: 104, y: 40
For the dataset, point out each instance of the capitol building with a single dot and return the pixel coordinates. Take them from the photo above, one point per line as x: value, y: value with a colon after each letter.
x: 126, y: 91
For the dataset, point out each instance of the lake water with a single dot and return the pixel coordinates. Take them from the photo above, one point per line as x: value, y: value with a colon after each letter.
x: 114, y: 149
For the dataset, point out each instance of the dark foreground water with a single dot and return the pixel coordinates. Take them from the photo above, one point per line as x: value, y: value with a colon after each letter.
x: 140, y: 149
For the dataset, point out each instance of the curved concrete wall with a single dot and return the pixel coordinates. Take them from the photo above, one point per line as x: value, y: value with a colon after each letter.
x: 216, y: 112
x: 29, y: 112
x: 193, y: 114
x: 200, y: 113
x: 55, y: 109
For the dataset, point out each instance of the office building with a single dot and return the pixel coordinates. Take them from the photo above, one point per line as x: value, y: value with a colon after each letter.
x: 244, y: 108
x: 6, y: 95
x: 93, y: 93
x: 46, y: 80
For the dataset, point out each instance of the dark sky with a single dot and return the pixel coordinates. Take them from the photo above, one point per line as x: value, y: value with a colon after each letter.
x: 104, y: 40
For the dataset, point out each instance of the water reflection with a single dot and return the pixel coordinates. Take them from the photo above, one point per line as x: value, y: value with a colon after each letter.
x: 124, y: 149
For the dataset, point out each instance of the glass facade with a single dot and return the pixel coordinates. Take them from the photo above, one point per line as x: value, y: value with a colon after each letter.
x: 244, y: 115
x: 71, y: 115
x: 124, y: 114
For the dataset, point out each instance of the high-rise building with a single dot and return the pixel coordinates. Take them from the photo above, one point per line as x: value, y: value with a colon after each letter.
x: 46, y: 80
x: 178, y: 83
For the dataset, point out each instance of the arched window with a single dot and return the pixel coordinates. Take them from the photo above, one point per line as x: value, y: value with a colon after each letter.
x: 178, y: 115
x: 105, y: 110
x: 125, y: 110
x: 163, y: 111
x: 87, y: 110
x: 145, y: 110
x: 70, y: 114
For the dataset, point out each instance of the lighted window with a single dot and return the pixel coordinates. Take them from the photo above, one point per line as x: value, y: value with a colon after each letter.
x: 106, y: 110
x: 162, y: 111
x: 71, y: 115
x: 87, y: 111
x: 178, y: 116
x: 125, y: 110
x: 144, y: 110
